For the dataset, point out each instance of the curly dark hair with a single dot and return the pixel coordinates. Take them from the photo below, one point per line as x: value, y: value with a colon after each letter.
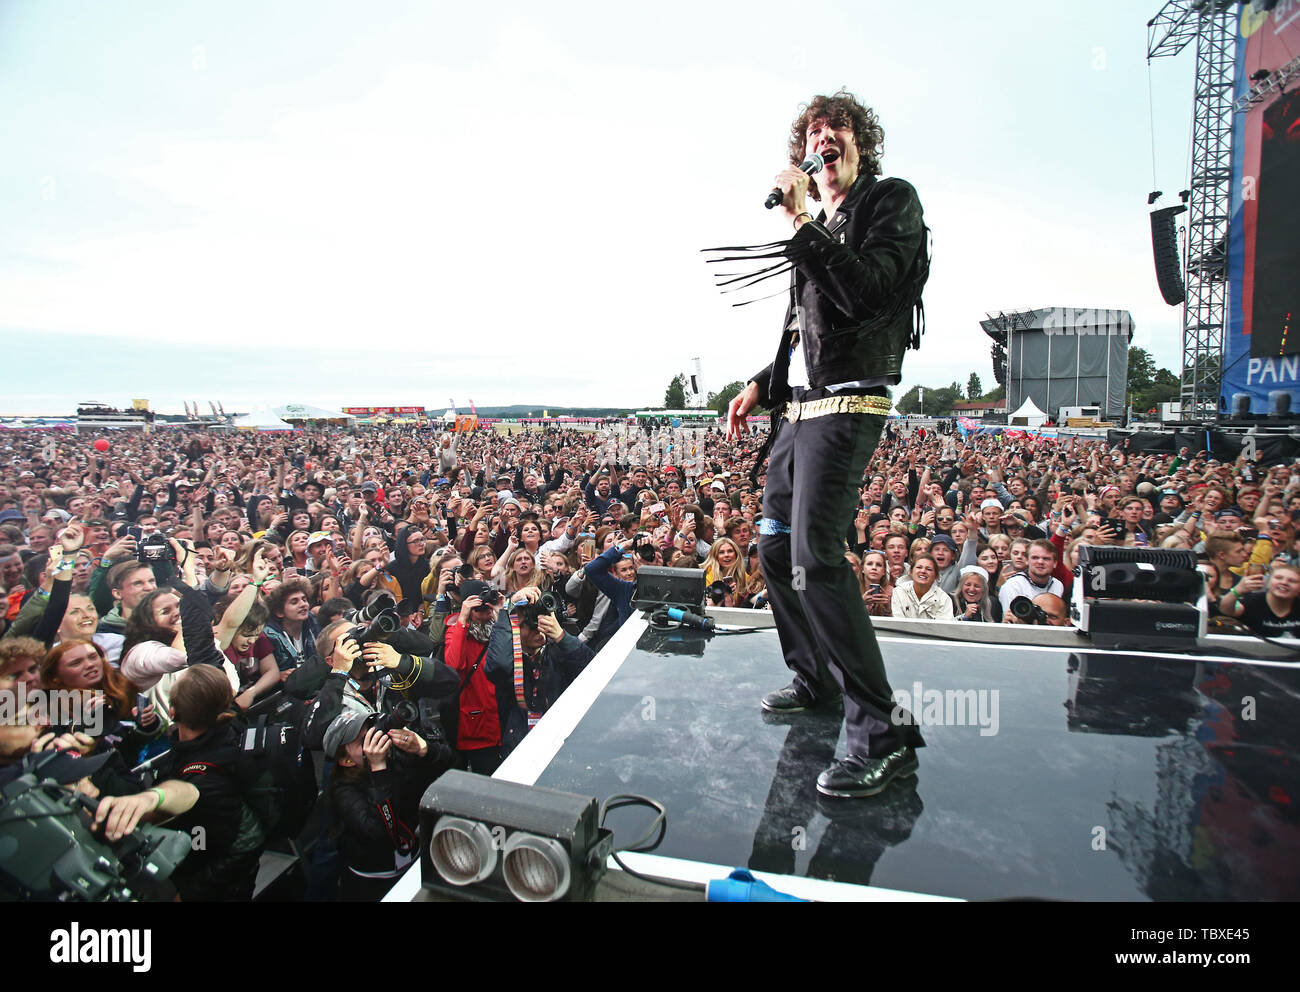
x: 840, y: 109
x: 275, y: 602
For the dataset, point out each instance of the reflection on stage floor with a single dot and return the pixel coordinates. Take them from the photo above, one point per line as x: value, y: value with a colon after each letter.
x: 1048, y: 774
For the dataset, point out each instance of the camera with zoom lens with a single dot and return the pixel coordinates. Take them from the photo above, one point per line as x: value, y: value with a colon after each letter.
x: 1026, y: 611
x: 718, y: 592
x: 404, y: 714
x: 375, y: 621
x: 530, y: 613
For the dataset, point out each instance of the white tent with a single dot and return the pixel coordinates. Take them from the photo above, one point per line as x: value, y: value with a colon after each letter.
x: 893, y: 411
x: 1027, y: 416
x: 262, y: 420
x: 304, y: 411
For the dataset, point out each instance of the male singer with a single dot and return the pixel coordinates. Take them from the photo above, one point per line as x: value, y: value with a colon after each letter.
x: 858, y: 271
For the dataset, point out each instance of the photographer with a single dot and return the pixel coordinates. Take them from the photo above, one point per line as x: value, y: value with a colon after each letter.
x: 442, y: 595
x: 1044, y: 610
x: 347, y: 675
x: 1035, y: 581
x: 374, y: 794
x: 530, y: 679
x: 478, y: 721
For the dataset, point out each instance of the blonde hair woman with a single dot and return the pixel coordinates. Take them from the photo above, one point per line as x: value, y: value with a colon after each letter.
x: 726, y: 561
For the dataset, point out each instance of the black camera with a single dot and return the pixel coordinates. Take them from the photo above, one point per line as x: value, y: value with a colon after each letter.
x: 1025, y: 611
x: 530, y: 613
x: 154, y: 550
x: 403, y: 715
x: 375, y: 621
x: 718, y: 592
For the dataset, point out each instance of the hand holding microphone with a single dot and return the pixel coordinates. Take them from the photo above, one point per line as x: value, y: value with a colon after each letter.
x: 795, y: 182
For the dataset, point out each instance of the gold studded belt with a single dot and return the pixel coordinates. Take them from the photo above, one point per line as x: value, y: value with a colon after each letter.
x: 876, y: 405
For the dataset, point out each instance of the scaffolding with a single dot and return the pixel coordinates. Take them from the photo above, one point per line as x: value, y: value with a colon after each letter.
x: 1211, y: 23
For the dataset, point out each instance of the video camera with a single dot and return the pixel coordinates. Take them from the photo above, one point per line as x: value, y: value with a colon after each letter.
x: 63, y: 859
x: 375, y: 621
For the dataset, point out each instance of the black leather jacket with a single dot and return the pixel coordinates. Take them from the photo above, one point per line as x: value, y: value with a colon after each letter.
x: 855, y: 283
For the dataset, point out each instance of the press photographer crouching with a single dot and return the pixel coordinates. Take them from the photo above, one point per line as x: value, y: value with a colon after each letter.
x: 380, y: 772
x: 354, y: 671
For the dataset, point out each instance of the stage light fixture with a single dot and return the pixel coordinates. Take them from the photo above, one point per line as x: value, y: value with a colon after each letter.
x: 494, y: 841
x: 1134, y: 596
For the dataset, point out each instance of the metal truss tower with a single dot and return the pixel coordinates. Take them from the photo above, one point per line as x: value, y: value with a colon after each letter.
x: 1205, y: 264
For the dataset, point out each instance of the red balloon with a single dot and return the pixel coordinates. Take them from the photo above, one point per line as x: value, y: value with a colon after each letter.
x: 101, y: 445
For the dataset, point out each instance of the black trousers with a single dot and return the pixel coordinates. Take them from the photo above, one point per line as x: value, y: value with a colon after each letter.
x: 812, y: 488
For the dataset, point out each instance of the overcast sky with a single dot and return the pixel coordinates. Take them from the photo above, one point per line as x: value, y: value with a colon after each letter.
x: 401, y: 203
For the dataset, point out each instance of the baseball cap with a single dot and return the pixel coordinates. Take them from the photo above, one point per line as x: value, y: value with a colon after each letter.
x: 317, y: 536
x: 7, y: 515
x: 343, y: 730
x: 990, y: 504
x: 66, y: 767
x: 975, y: 570
x: 369, y: 487
x: 719, y: 485
x: 943, y: 539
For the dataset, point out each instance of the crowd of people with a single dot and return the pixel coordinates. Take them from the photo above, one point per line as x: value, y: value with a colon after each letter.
x: 179, y: 578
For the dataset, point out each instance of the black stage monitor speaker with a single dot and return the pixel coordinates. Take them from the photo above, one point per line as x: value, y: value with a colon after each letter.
x: 1164, y: 243
x: 1132, y: 596
x: 489, y: 840
x: 659, y: 586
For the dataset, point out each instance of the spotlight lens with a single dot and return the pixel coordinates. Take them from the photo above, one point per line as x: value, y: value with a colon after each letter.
x: 462, y: 851
x: 457, y: 852
x: 536, y: 868
x: 531, y: 872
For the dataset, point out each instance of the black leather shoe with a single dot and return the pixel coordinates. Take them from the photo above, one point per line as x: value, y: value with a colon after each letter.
x: 791, y: 699
x: 854, y: 776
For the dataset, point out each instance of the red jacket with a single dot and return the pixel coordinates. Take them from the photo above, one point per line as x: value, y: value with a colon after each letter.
x: 480, y: 726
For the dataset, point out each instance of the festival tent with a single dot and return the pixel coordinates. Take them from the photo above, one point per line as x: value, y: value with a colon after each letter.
x: 1027, y: 416
x: 297, y: 413
x: 262, y: 420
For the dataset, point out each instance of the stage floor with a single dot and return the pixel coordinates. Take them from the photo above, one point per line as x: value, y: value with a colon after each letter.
x: 1052, y: 774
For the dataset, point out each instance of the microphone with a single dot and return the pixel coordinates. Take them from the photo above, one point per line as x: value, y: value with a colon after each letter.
x: 811, y: 165
x: 691, y: 619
